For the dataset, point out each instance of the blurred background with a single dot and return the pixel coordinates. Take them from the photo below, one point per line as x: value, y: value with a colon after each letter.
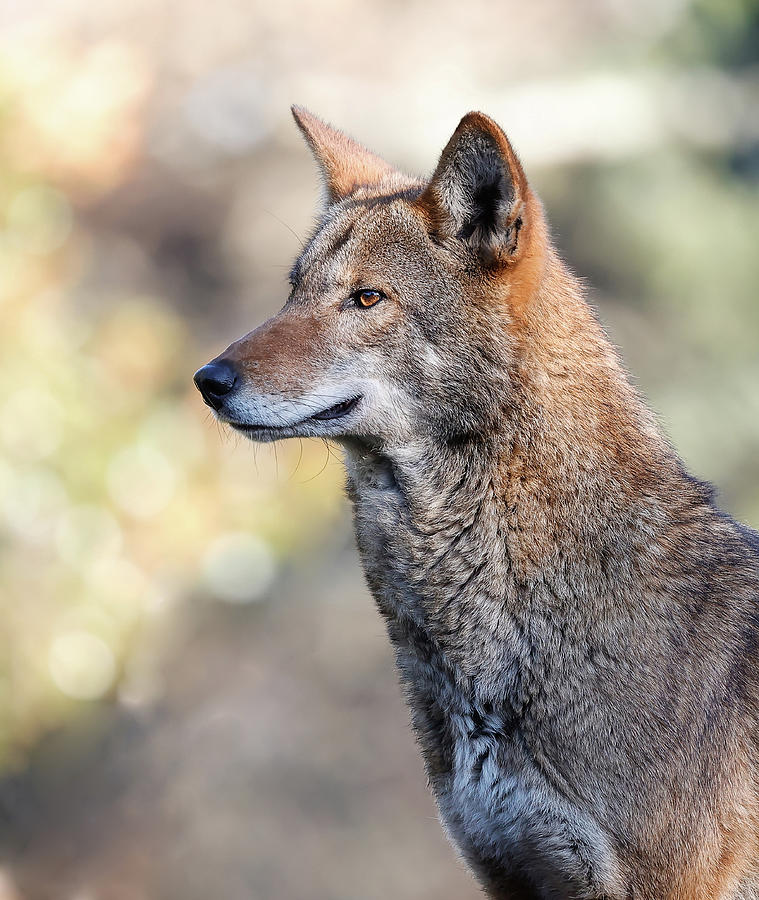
x: 197, y: 698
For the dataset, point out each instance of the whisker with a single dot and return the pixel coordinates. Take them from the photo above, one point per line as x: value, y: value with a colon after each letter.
x: 255, y: 460
x: 300, y: 458
x: 326, y: 463
x: 332, y: 453
x: 282, y: 222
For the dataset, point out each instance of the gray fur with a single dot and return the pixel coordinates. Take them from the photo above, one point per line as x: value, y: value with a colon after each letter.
x: 575, y: 621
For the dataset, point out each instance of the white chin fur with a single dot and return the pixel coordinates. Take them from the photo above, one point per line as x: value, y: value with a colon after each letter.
x: 382, y: 411
x: 276, y: 411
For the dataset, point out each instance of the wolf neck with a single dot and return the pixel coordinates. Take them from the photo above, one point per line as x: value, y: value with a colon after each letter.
x: 549, y: 514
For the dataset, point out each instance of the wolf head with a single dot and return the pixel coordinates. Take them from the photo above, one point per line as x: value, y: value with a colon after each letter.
x: 402, y: 303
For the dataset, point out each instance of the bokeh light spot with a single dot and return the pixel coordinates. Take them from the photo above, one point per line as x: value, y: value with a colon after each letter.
x: 31, y: 501
x: 38, y: 219
x: 238, y: 567
x: 31, y: 423
x: 81, y: 665
x: 141, y: 480
x: 85, y: 533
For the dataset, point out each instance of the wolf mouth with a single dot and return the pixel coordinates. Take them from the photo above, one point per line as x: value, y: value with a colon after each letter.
x: 336, y: 411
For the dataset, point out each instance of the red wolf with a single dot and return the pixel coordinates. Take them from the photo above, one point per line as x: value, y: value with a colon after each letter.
x: 576, y: 623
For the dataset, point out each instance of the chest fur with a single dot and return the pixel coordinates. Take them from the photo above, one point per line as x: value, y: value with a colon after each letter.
x: 476, y: 675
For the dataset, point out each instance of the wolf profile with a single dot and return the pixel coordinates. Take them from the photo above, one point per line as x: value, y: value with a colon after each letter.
x: 575, y: 621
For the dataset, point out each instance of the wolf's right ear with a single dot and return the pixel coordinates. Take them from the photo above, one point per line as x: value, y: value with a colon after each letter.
x: 346, y: 165
x: 478, y: 192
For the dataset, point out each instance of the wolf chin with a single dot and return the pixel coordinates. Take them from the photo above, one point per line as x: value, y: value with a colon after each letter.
x: 575, y: 622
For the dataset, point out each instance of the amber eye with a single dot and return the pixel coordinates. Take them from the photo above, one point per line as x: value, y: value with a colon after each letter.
x: 366, y: 299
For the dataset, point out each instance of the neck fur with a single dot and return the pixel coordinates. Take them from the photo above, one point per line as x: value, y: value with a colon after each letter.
x: 565, y: 499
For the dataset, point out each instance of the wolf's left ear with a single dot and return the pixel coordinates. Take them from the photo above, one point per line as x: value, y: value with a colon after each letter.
x: 345, y: 164
x: 478, y: 192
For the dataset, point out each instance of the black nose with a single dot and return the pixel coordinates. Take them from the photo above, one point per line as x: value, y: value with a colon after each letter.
x: 215, y: 381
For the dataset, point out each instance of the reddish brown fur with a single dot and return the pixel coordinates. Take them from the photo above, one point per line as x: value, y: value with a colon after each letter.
x: 346, y: 165
x: 280, y: 352
x: 576, y: 624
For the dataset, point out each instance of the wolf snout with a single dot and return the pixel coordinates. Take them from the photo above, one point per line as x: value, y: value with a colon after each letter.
x: 215, y: 380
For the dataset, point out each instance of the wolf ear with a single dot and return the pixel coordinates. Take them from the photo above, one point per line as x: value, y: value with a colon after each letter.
x: 478, y: 192
x: 345, y: 164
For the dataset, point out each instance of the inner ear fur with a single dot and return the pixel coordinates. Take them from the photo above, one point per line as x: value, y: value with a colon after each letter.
x: 478, y: 193
x: 345, y: 164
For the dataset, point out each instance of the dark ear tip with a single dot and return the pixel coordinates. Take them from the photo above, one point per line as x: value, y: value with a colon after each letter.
x: 308, y: 124
x: 305, y: 119
x: 478, y: 121
x: 299, y: 113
